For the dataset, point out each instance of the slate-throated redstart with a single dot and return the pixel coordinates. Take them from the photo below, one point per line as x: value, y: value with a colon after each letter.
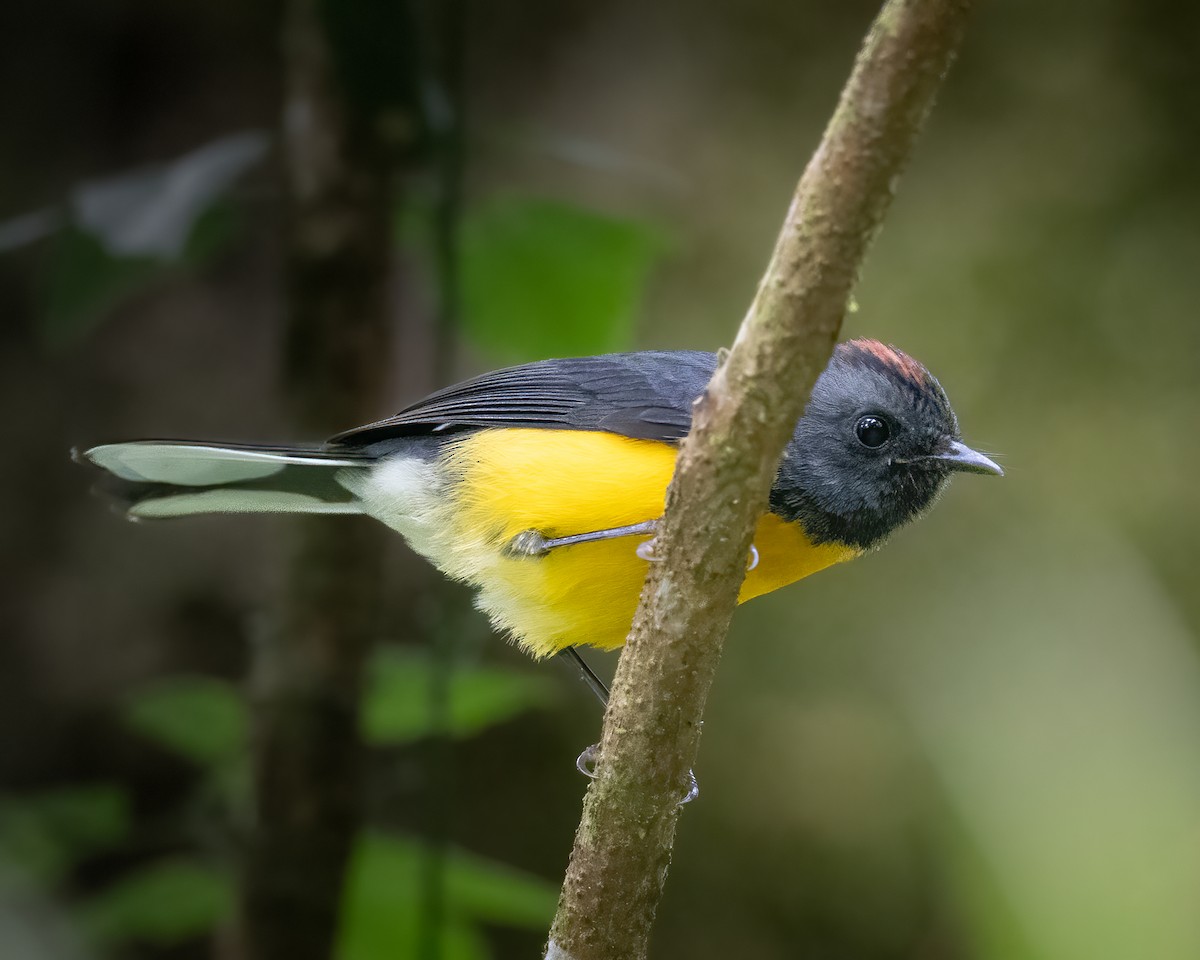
x: 537, y: 484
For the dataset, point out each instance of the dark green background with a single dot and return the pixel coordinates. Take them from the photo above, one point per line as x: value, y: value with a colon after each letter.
x: 981, y: 742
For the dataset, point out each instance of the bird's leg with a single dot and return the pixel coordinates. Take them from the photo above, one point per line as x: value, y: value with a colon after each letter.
x: 586, y: 761
x: 532, y: 543
x: 586, y: 673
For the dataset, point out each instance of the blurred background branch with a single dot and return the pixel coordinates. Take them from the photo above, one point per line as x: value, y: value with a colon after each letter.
x: 340, y: 144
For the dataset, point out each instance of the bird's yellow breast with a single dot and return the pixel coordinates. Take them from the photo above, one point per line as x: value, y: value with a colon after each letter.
x: 561, y: 482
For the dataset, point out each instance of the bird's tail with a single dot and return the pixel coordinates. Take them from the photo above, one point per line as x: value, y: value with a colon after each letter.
x: 173, y: 478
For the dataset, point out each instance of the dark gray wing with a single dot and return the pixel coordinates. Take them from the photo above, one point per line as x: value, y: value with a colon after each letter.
x: 645, y: 395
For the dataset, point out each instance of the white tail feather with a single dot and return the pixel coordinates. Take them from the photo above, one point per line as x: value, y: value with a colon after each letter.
x: 202, y: 465
x: 233, y: 500
x: 172, y: 478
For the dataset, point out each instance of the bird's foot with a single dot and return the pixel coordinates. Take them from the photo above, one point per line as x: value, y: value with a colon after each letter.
x: 585, y: 763
x: 534, y: 543
x: 648, y: 550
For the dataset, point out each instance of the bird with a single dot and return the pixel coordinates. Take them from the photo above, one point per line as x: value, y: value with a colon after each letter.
x: 540, y: 485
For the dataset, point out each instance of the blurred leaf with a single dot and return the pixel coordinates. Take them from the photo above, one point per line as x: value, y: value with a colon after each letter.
x: 456, y: 941
x: 86, y: 280
x: 542, y: 278
x: 383, y: 898
x: 1064, y: 734
x: 486, y: 890
x: 396, y: 708
x: 164, y: 903
x: 995, y: 930
x: 45, y: 833
x: 201, y: 718
x: 28, y: 228
x: 151, y: 212
x: 34, y: 924
x: 127, y: 232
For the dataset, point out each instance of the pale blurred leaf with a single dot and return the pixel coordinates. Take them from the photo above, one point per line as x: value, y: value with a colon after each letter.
x: 151, y: 212
x: 1057, y: 693
x: 34, y: 925
x: 124, y: 233
x: 28, y: 228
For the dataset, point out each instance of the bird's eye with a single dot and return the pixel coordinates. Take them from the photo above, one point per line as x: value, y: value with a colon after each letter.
x: 872, y: 432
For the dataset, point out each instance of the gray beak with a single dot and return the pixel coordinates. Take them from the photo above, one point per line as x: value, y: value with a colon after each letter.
x: 956, y: 455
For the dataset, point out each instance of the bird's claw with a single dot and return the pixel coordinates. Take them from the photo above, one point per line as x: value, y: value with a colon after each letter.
x: 693, y: 789
x: 585, y: 763
x: 647, y: 550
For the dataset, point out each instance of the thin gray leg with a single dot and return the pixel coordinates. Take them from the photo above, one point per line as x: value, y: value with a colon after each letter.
x: 531, y: 543
x: 586, y: 762
x: 595, y: 684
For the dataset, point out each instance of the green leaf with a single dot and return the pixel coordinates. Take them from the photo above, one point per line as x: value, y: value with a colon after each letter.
x: 164, y: 903
x: 384, y: 898
x: 486, y: 890
x: 397, y: 706
x: 46, y: 833
x: 85, y: 282
x: 201, y: 718
x: 995, y: 929
x: 542, y: 278
x: 130, y: 231
x: 381, y: 900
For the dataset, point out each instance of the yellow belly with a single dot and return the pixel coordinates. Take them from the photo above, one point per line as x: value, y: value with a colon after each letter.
x: 561, y: 482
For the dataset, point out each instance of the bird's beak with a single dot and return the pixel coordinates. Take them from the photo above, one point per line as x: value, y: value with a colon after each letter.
x: 956, y: 455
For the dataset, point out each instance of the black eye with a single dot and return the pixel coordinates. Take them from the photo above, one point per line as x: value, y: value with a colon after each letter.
x: 872, y: 432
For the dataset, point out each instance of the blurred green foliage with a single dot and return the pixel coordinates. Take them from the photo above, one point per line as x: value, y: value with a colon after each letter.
x: 45, y: 834
x: 119, y: 236
x: 543, y: 278
x: 397, y: 709
x: 201, y: 718
x: 87, y: 280
x: 162, y: 903
x: 384, y: 896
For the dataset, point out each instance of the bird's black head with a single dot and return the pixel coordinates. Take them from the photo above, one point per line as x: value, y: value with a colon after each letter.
x: 875, y: 447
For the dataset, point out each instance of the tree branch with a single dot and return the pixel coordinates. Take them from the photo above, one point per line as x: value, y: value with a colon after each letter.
x: 341, y: 142
x: 724, y: 472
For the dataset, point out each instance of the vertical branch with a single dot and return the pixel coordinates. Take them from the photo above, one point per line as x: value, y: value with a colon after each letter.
x: 725, y: 469
x: 340, y: 141
x: 446, y: 135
